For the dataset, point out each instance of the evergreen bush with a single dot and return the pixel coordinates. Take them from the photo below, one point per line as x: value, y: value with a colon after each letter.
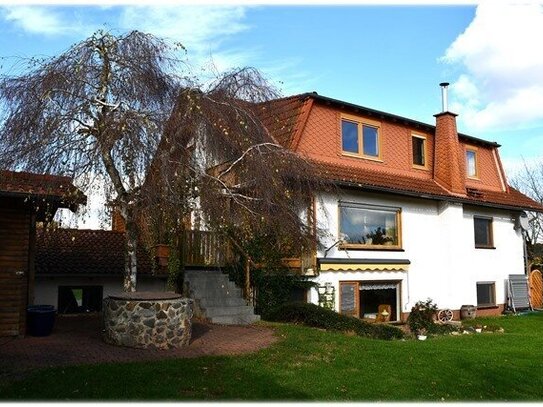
x: 319, y: 317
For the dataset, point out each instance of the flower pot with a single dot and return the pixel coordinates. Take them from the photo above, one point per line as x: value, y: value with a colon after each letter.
x: 421, y: 337
x: 478, y: 330
x: 162, y: 252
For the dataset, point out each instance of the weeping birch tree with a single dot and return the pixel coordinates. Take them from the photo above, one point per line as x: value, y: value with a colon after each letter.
x: 96, y: 111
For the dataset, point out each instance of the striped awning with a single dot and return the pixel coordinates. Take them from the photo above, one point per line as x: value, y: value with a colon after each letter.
x: 331, y: 264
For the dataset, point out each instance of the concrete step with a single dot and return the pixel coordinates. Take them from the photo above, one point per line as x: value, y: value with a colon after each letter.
x: 196, y: 273
x: 222, y: 311
x: 207, y: 302
x: 235, y: 319
x: 218, y: 298
x: 204, y: 283
x: 217, y: 293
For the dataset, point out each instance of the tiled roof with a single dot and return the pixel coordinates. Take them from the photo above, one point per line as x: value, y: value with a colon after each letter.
x: 282, y: 117
x: 392, y: 182
x: 42, y: 185
x: 84, y: 252
x: 285, y: 118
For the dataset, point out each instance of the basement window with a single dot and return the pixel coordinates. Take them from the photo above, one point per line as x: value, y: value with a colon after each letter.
x: 486, y: 294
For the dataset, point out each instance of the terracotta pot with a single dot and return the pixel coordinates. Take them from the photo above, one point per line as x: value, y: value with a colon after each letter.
x: 162, y: 250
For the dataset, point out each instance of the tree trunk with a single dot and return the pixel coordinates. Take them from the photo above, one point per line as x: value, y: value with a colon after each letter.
x: 131, y: 262
x: 248, y: 294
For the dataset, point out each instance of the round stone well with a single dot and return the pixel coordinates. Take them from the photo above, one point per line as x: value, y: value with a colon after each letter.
x: 147, y: 319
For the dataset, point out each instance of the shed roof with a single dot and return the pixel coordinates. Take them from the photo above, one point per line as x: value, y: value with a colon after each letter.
x: 85, y: 252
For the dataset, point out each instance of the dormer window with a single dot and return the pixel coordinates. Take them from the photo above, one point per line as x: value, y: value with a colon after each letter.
x: 471, y: 162
x: 418, y: 144
x: 360, y: 137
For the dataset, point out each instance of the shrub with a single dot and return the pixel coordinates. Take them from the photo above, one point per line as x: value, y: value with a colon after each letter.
x: 319, y: 317
x: 421, y: 318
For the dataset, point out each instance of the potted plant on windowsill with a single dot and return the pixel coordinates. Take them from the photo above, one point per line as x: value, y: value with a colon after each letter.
x: 379, y: 237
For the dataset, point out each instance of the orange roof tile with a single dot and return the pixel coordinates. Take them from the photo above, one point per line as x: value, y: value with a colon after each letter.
x: 401, y: 184
x: 42, y: 185
x: 285, y: 119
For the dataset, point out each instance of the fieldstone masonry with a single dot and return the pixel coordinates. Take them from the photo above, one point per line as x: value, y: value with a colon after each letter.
x: 146, y: 319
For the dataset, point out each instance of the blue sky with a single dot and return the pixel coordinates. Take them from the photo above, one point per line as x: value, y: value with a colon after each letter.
x: 389, y: 58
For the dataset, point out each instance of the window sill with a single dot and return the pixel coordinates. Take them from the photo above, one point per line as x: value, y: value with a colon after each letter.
x: 372, y: 248
x: 486, y: 247
x: 420, y: 167
x: 362, y: 157
x: 492, y: 306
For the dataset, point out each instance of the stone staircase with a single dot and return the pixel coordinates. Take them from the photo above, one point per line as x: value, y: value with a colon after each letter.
x: 217, y: 299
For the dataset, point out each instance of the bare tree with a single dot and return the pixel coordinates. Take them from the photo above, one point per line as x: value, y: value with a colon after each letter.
x: 530, y: 182
x: 240, y: 180
x: 97, y: 111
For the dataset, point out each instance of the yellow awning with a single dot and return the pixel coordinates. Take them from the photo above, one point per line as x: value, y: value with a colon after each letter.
x: 363, y: 267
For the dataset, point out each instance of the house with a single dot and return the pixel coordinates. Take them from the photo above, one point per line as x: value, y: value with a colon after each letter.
x: 422, y: 211
x: 25, y: 199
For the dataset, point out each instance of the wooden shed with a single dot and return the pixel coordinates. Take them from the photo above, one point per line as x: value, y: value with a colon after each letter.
x: 25, y: 199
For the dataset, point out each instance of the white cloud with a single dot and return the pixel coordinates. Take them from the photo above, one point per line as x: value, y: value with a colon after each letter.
x: 201, y: 29
x: 502, y: 57
x: 44, y: 21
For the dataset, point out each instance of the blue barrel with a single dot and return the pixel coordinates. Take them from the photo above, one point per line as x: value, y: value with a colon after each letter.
x: 40, y: 319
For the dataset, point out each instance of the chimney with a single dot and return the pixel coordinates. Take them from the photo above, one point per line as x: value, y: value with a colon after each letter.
x: 448, y: 162
x: 117, y: 221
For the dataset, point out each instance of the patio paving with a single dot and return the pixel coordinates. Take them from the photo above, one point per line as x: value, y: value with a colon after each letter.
x: 76, y: 340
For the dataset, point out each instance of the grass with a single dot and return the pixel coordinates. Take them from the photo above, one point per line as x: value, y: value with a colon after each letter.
x: 311, y: 364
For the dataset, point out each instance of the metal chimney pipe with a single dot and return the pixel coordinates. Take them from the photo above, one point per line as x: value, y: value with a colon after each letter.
x: 444, y: 101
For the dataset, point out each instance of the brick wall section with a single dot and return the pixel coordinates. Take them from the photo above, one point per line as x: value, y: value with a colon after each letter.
x: 449, y: 168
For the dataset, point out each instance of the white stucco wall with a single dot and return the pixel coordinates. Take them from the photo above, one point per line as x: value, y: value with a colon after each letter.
x: 438, y: 240
x: 46, y: 288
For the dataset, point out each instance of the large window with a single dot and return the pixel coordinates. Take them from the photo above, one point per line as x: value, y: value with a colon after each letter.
x: 419, y: 150
x: 486, y: 294
x: 483, y: 232
x: 369, y: 226
x: 471, y: 163
x: 360, y: 137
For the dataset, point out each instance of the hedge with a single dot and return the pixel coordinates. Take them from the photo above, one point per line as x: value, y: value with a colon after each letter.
x: 319, y: 317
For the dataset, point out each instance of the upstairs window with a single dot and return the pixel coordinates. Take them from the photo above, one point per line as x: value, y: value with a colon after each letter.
x: 418, y: 144
x: 369, y: 226
x: 360, y: 137
x: 471, y: 163
x: 349, y: 137
x: 483, y: 232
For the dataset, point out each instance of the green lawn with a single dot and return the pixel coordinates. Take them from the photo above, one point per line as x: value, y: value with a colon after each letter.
x: 310, y: 364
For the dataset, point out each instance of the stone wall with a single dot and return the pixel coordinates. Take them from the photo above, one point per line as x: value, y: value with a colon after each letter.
x: 142, y: 320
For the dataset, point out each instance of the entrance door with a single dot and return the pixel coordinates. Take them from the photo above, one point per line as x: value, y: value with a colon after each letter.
x: 536, y: 288
x: 374, y: 294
